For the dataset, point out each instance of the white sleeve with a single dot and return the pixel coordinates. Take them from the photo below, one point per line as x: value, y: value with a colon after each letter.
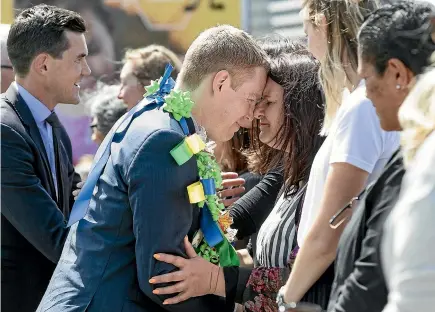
x: 358, y: 139
x: 409, y: 238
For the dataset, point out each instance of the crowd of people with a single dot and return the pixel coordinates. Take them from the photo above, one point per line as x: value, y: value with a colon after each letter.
x: 324, y: 145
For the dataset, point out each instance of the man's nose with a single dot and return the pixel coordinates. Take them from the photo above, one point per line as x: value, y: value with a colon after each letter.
x: 86, y: 71
x: 250, y: 117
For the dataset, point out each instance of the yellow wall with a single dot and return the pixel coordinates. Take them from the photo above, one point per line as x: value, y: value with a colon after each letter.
x: 167, y: 15
x: 7, y: 15
x: 183, y: 27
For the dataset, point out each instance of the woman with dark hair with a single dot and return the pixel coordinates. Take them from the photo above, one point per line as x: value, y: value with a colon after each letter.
x: 289, y: 120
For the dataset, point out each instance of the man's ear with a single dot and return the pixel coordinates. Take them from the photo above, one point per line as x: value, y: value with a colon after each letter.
x: 402, y: 74
x: 221, y: 80
x: 41, y: 63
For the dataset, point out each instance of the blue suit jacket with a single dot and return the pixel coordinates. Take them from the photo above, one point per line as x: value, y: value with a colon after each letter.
x: 139, y: 207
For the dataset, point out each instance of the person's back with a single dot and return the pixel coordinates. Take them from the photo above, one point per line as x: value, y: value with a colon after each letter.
x: 140, y: 205
x: 105, y: 235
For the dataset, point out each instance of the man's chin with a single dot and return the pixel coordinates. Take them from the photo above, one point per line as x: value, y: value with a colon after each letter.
x: 74, y: 100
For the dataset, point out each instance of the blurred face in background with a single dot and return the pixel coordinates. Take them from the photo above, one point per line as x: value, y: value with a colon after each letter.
x: 7, y: 72
x: 101, y: 58
x: 132, y: 90
x: 96, y: 135
x: 7, y: 76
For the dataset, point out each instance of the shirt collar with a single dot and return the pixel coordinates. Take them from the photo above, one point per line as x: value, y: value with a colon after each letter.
x: 200, y: 130
x: 39, y: 111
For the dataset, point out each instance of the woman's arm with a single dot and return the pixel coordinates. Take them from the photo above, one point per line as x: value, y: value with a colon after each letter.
x: 250, y: 211
x: 343, y: 182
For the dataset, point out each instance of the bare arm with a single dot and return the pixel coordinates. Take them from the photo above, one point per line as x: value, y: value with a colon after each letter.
x: 343, y: 182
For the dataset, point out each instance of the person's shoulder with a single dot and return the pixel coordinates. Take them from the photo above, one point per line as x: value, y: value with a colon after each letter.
x: 154, y: 129
x: 358, y: 103
x: 9, y: 117
x: 150, y: 122
x: 425, y: 156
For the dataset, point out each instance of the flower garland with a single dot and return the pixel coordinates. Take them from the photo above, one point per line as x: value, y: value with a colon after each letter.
x: 213, y: 240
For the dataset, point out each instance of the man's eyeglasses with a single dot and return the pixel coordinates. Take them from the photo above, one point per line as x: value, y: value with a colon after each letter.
x: 338, y: 218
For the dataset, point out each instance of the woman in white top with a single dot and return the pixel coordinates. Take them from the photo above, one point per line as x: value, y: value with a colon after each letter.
x: 355, y: 150
x: 408, y: 256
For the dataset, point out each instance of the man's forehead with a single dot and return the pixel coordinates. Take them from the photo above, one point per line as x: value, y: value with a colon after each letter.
x: 77, y: 41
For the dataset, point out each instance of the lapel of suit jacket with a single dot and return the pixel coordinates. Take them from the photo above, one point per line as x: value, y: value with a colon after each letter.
x: 20, y: 107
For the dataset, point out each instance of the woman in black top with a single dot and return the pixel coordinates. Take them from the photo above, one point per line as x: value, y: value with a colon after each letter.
x: 289, y: 120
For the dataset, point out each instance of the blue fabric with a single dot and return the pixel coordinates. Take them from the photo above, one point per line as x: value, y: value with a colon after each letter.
x: 209, y: 227
x: 184, y: 126
x: 153, y: 101
x: 209, y: 186
x: 81, y: 204
x: 40, y: 113
x: 139, y: 208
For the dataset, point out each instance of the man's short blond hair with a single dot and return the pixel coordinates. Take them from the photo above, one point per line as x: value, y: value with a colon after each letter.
x: 149, y: 62
x: 221, y: 48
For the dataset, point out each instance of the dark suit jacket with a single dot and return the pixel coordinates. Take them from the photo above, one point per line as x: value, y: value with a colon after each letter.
x: 359, y: 284
x: 32, y: 226
x: 140, y: 207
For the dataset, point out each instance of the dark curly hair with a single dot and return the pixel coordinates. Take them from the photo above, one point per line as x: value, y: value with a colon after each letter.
x: 296, y: 71
x: 400, y: 30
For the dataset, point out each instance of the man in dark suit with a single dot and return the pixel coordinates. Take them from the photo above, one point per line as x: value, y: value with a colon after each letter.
x: 139, y: 206
x: 389, y: 70
x: 47, y: 50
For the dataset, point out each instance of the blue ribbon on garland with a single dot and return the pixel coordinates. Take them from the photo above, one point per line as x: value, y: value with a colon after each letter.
x: 209, y: 186
x: 209, y: 227
x: 184, y: 127
x: 165, y: 87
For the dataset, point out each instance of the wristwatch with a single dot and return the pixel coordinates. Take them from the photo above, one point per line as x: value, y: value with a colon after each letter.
x: 282, y: 305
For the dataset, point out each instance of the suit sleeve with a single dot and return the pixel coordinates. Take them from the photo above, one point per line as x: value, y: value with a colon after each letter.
x: 24, y: 201
x: 162, y: 214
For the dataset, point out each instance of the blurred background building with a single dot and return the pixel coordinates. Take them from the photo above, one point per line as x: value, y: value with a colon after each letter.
x: 118, y: 25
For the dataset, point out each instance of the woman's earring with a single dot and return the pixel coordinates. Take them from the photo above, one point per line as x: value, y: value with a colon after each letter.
x: 398, y: 87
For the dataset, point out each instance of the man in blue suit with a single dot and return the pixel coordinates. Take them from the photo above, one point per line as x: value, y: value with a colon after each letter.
x: 140, y: 206
x: 47, y: 48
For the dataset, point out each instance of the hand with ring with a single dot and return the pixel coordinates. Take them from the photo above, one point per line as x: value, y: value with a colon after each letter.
x: 196, y: 277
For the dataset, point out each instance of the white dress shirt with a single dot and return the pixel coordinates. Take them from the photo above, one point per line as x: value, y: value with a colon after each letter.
x: 40, y: 113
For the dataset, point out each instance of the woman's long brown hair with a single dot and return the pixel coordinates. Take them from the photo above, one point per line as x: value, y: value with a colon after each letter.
x: 298, y: 139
